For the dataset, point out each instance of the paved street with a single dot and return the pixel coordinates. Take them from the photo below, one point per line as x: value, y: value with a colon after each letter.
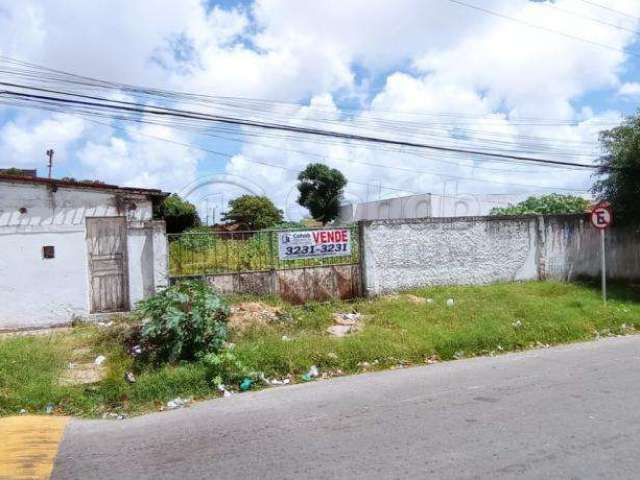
x: 567, y: 412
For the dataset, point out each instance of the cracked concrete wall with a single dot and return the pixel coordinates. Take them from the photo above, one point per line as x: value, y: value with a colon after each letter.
x: 405, y: 254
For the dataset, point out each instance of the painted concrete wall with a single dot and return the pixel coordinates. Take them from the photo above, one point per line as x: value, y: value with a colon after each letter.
x: 479, y: 250
x: 38, y: 292
x: 295, y: 285
x: 571, y: 249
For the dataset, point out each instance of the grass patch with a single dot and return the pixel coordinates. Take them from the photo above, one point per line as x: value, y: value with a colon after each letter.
x: 484, y: 320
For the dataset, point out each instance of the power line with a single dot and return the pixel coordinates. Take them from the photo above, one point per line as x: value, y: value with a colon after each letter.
x: 604, y: 7
x: 540, y: 27
x: 370, y: 164
x: 591, y: 19
x: 131, y: 107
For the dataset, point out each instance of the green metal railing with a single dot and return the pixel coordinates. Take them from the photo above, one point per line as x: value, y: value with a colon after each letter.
x: 211, y: 252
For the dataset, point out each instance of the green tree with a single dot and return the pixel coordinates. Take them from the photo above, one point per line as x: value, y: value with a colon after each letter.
x: 178, y: 214
x: 254, y: 211
x: 16, y: 172
x: 619, y: 171
x: 545, y: 205
x: 321, y: 189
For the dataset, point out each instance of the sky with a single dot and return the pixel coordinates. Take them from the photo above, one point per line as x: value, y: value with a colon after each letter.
x: 537, y: 77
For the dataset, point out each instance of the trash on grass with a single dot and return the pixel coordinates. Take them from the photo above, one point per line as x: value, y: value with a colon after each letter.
x: 129, y: 377
x: 285, y: 338
x: 49, y: 408
x: 450, y: 302
x: 431, y: 359
x: 246, y: 384
x: 23, y: 411
x: 225, y: 393
x: 177, y: 403
x: 311, y: 374
x: 136, y: 350
x: 100, y: 359
x: 274, y: 381
x: 349, y: 319
x: 344, y: 324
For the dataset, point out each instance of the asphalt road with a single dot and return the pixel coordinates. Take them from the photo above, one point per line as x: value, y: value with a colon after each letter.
x: 570, y: 412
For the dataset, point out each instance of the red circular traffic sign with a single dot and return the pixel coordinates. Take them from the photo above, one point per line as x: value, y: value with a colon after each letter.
x: 601, y: 215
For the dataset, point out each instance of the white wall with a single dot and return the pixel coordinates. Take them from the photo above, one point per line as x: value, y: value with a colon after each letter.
x: 412, y: 206
x: 38, y: 292
x: 406, y: 254
x: 147, y: 256
x: 478, y: 250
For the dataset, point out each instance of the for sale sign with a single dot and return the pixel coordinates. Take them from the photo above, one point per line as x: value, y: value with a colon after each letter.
x: 335, y: 242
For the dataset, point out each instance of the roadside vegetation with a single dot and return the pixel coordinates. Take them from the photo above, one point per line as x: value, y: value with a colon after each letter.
x: 551, y: 204
x: 203, y: 251
x: 185, y: 350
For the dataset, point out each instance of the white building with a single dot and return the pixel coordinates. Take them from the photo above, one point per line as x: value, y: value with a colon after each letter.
x: 70, y: 249
x: 427, y: 205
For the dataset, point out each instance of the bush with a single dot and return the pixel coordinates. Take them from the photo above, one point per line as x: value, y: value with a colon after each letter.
x: 225, y: 368
x: 551, y: 204
x: 178, y: 214
x: 186, y: 321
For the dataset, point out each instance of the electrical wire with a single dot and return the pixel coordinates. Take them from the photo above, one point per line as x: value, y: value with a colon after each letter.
x: 542, y: 28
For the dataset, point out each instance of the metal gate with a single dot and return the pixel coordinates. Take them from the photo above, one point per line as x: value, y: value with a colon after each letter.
x: 249, y: 262
x: 107, y: 251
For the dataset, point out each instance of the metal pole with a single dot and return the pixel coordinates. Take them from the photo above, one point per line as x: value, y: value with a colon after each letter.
x: 604, y: 266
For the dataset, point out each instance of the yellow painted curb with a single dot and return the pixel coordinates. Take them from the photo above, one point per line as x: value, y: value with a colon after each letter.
x: 28, y: 446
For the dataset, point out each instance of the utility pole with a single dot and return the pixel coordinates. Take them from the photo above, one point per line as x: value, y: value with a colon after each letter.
x: 50, y: 165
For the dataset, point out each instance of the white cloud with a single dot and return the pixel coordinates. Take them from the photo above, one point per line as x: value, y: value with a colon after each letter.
x: 435, y: 58
x: 24, y: 140
x: 630, y: 89
x: 139, y: 159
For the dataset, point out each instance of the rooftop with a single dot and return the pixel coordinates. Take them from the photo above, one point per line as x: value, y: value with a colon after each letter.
x: 86, y: 185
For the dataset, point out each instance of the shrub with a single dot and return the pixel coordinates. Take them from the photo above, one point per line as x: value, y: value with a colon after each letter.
x: 553, y: 203
x: 183, y: 322
x: 225, y: 368
x: 178, y: 214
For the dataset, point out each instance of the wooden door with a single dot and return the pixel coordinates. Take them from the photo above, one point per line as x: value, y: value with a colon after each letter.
x: 107, y: 250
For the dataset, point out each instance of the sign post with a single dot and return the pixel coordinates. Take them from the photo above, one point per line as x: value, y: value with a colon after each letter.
x: 601, y: 218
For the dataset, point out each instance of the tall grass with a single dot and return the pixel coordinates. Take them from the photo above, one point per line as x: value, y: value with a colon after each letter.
x: 397, y: 331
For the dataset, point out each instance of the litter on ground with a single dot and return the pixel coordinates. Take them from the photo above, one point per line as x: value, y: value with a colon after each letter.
x: 246, y: 384
x: 311, y: 374
x: 177, y: 403
x: 225, y: 393
x: 344, y: 324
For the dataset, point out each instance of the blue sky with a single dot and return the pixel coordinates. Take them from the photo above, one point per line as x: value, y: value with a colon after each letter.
x: 430, y: 70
